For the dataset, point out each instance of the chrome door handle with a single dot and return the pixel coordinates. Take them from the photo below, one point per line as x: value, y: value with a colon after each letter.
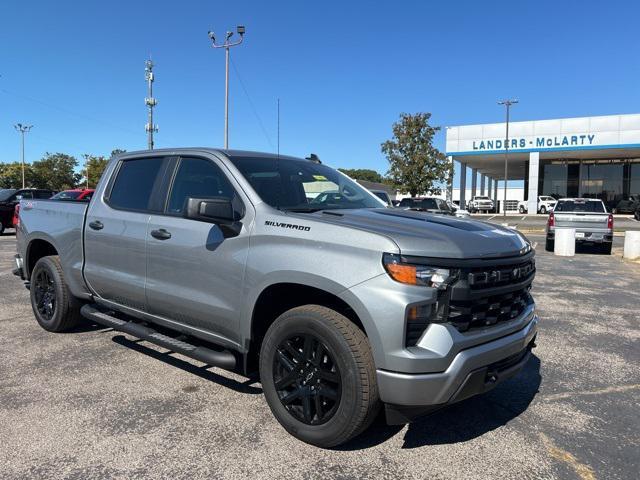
x: 96, y: 225
x: 161, y: 234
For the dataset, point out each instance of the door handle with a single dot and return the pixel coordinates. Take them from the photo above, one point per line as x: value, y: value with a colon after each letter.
x: 161, y: 234
x: 96, y: 225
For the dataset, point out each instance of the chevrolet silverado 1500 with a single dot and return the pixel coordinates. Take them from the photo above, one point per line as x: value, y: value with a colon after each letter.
x: 341, y: 305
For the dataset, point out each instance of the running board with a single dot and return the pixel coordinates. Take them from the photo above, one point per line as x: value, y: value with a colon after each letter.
x: 224, y: 359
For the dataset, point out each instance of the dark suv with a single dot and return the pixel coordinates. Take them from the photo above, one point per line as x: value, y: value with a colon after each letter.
x: 9, y: 198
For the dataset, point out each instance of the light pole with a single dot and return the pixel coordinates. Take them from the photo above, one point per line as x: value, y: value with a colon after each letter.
x: 227, y: 45
x: 506, y: 103
x: 22, y: 129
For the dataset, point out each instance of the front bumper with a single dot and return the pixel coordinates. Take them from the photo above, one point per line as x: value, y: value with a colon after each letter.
x: 472, y: 371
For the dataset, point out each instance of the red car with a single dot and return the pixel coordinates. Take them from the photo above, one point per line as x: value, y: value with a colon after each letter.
x: 77, y: 194
x: 16, y: 216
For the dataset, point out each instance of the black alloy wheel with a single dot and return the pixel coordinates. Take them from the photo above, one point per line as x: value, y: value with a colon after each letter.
x: 307, y: 379
x: 45, y: 294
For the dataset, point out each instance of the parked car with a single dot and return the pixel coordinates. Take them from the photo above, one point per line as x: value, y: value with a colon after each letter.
x: 588, y: 216
x: 480, y: 203
x: 458, y: 212
x: 10, y: 197
x: 629, y: 204
x: 384, y: 196
x: 343, y: 307
x: 76, y: 194
x: 426, y: 204
x: 636, y: 214
x: 545, y: 204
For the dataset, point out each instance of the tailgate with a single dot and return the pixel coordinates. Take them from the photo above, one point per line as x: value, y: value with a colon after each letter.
x: 588, y: 222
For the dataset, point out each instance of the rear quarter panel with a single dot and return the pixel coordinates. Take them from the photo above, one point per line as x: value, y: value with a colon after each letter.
x: 60, y: 224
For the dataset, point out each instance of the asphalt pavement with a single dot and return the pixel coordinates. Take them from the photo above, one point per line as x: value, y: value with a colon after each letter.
x: 95, y: 403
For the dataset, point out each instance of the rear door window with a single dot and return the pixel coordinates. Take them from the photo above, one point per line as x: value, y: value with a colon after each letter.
x: 135, y: 183
x: 580, y: 206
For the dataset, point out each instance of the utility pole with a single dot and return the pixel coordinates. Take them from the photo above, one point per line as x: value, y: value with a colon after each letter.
x: 151, y: 102
x: 22, y: 129
x: 227, y: 45
x: 507, y: 104
x: 278, y: 127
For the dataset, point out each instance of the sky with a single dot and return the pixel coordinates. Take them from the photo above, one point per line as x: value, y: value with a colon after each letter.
x: 343, y: 71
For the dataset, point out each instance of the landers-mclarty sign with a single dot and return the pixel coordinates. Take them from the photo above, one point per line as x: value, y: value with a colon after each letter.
x: 536, y: 142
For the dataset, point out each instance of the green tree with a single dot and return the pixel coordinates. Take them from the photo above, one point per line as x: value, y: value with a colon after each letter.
x: 11, y: 175
x: 415, y: 165
x: 363, y: 174
x: 95, y: 167
x: 117, y: 151
x: 56, y: 171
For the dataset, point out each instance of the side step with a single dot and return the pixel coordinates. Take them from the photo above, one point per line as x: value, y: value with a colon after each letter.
x: 224, y: 359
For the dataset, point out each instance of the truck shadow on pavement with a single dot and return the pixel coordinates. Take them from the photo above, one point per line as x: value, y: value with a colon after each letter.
x: 202, y: 372
x: 462, y: 421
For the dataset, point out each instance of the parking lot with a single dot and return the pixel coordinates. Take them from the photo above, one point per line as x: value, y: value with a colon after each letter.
x: 96, y: 404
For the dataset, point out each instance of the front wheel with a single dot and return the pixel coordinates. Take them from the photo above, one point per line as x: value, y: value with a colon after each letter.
x: 55, y: 309
x: 318, y: 375
x: 521, y: 209
x: 543, y: 210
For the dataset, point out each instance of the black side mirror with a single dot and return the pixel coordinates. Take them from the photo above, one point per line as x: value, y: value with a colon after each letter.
x: 218, y: 210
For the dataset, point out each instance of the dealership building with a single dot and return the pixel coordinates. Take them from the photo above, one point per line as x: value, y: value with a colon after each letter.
x: 595, y: 157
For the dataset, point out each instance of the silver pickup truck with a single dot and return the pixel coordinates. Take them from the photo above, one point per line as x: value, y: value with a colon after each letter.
x: 588, y: 216
x: 283, y: 266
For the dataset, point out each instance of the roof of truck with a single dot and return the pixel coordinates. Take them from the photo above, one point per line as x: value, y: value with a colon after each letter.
x: 222, y: 151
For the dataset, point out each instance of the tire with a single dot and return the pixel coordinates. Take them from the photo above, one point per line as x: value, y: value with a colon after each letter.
x: 521, y: 209
x: 606, y: 248
x: 55, y: 309
x: 543, y: 210
x: 1, y: 228
x: 345, y: 370
x: 549, y: 245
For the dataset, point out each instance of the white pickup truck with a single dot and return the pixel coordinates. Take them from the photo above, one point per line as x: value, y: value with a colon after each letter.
x: 588, y: 216
x: 545, y: 205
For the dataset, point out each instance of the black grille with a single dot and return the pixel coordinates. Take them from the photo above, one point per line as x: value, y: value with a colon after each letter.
x: 489, y: 310
x: 485, y: 277
x: 414, y: 332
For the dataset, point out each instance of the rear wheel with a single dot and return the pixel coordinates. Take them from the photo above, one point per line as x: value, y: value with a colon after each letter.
x: 55, y: 309
x: 606, y: 248
x: 1, y: 228
x: 318, y: 375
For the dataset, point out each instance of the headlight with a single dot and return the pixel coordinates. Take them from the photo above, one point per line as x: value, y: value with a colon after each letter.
x: 415, y: 274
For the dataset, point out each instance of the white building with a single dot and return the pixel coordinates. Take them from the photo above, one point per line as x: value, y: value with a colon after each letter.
x: 597, y: 157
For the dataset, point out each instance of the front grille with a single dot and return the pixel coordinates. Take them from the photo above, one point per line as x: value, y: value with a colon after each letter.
x: 489, y: 310
x: 484, y: 277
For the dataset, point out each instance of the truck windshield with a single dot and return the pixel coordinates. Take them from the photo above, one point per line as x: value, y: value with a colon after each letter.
x: 580, y: 206
x: 303, y: 185
x: 5, y: 194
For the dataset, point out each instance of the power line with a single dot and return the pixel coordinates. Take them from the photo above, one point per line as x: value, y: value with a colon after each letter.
x: 70, y: 112
x: 253, y: 108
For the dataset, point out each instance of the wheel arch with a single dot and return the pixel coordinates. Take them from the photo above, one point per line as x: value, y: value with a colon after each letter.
x: 276, y: 298
x: 36, y: 249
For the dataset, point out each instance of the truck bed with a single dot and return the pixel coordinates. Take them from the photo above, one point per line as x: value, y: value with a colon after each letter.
x: 59, y: 223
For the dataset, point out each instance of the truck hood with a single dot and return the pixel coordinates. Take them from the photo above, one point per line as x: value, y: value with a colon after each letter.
x: 432, y: 235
